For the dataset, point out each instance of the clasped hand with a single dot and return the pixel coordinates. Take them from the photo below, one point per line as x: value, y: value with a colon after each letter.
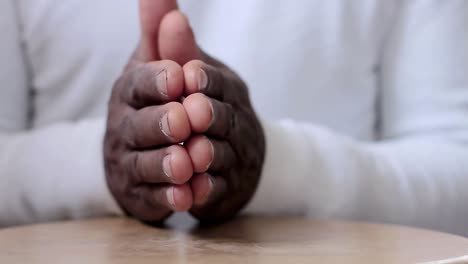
x: 181, y: 131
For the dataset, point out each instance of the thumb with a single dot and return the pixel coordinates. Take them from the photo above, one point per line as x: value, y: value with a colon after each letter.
x: 177, y: 40
x: 151, y: 15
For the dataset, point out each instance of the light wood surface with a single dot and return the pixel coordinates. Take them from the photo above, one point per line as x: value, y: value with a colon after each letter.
x: 245, y: 240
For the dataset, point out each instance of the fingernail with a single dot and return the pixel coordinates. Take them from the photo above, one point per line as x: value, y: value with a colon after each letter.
x: 167, y: 166
x: 170, y: 197
x: 202, y: 79
x: 212, y: 154
x: 213, y: 117
x: 164, y: 125
x: 207, y: 195
x: 161, y: 82
x: 210, y: 183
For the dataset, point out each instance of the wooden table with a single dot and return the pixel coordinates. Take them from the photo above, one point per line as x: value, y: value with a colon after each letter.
x: 245, y: 240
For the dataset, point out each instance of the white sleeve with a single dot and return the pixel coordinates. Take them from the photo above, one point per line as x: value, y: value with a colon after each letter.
x: 417, y: 173
x: 54, y: 172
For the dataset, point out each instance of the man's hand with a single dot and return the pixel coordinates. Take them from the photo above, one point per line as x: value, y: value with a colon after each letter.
x: 147, y: 170
x: 227, y: 146
x: 217, y: 170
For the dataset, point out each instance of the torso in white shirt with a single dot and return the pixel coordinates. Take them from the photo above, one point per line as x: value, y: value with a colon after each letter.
x: 387, y: 70
x: 311, y: 61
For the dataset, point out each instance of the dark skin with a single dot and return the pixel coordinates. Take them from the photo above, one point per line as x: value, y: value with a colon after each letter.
x: 216, y: 171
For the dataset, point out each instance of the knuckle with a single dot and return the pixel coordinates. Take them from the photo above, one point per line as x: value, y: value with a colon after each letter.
x: 230, y: 158
x: 232, y: 122
x: 127, y: 86
x: 224, y: 156
x: 128, y: 128
x: 136, y: 168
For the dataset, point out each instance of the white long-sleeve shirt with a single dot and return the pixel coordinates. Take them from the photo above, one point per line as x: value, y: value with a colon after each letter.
x: 364, y: 104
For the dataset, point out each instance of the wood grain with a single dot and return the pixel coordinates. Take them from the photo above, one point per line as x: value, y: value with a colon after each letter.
x: 245, y: 240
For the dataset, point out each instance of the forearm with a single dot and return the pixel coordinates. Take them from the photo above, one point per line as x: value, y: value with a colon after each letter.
x: 413, y: 180
x: 54, y: 173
